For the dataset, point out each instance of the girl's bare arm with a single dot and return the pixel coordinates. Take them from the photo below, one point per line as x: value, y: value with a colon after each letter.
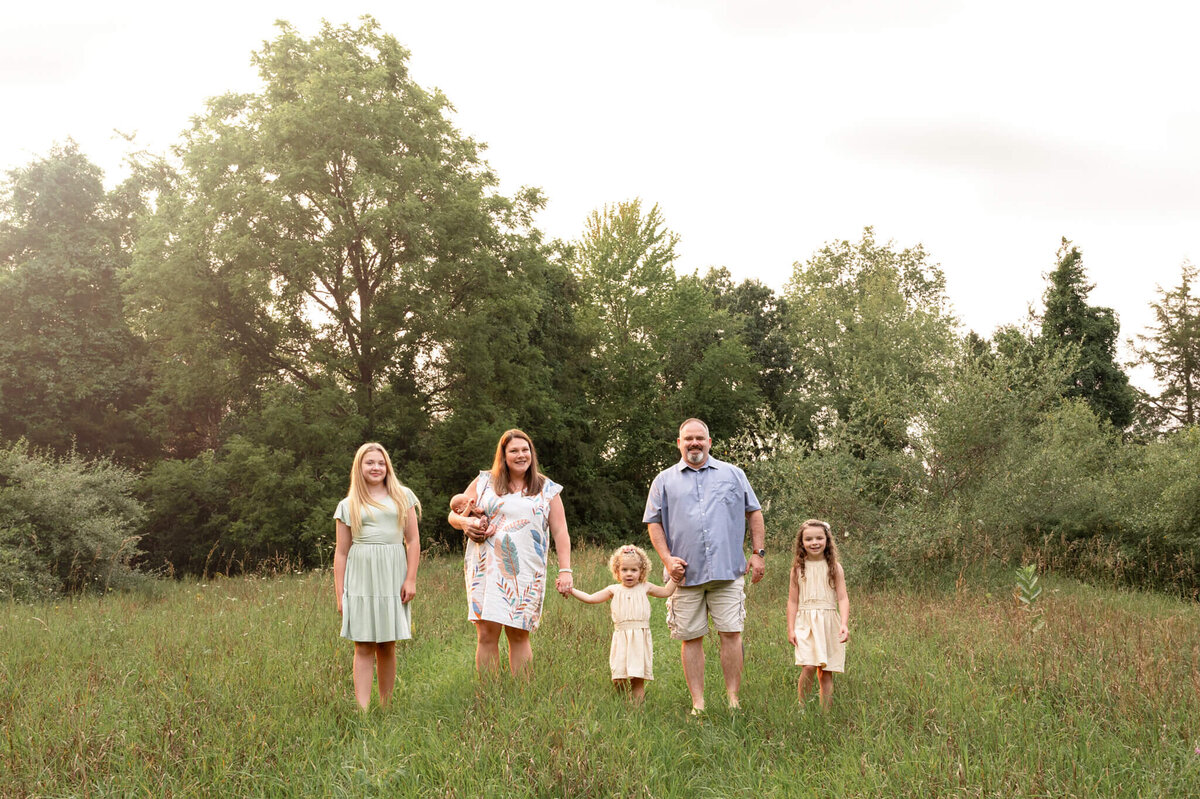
x: 843, y: 600
x: 793, y: 602
x: 340, y: 551
x: 662, y: 591
x: 602, y: 595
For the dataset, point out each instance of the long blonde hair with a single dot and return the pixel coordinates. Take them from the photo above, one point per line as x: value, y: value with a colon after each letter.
x: 359, y: 499
x: 830, y: 554
x: 500, y: 476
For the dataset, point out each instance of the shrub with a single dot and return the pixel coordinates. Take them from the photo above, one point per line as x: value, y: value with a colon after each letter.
x: 67, y: 524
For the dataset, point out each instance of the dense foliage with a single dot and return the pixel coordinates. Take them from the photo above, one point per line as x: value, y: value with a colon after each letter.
x: 329, y: 260
x: 67, y: 523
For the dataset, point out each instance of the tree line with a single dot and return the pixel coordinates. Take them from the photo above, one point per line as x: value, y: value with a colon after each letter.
x: 193, y: 355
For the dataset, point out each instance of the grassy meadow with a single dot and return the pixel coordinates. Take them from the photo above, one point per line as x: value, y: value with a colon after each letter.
x: 241, y: 687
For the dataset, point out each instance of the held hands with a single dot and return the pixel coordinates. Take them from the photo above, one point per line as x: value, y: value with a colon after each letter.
x: 565, y: 583
x: 676, y: 567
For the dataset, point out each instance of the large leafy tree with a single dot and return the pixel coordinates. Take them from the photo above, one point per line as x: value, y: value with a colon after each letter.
x: 763, y: 316
x: 871, y: 332
x: 1069, y: 320
x: 70, y: 369
x: 335, y: 229
x: 658, y: 351
x: 1172, y: 350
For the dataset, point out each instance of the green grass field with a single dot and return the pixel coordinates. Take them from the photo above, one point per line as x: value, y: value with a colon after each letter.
x: 241, y: 687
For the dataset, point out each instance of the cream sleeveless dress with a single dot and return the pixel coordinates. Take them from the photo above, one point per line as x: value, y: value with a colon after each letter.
x: 632, y: 651
x: 818, y: 620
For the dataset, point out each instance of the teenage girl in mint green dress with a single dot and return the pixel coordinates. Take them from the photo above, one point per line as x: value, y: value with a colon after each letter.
x: 375, y: 568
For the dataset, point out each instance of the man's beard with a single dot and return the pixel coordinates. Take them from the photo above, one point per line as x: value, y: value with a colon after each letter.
x: 695, y: 456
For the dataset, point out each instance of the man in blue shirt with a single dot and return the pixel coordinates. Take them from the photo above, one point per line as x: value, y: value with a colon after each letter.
x: 697, y: 514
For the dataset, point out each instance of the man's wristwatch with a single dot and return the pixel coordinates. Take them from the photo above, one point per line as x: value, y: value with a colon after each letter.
x: 762, y: 553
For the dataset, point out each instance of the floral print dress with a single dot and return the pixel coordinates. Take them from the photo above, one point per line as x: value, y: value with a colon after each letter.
x: 506, y: 574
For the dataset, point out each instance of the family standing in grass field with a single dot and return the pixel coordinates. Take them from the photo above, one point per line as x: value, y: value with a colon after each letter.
x: 697, y: 513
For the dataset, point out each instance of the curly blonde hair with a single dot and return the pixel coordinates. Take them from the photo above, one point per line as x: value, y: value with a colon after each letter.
x: 629, y: 550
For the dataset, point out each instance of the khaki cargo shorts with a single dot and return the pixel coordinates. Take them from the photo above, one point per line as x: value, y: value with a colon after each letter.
x: 689, y: 607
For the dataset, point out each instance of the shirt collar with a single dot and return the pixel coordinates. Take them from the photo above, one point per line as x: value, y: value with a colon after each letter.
x: 711, y: 463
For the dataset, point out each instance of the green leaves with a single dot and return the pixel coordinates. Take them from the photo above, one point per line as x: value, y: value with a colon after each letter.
x: 1028, y: 592
x: 67, y: 524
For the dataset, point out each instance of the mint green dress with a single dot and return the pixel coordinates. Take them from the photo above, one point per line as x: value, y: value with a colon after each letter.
x: 375, y: 569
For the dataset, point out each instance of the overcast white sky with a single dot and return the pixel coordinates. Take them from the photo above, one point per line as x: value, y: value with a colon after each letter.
x: 985, y: 131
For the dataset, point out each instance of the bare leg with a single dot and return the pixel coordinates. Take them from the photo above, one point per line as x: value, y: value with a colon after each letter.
x: 364, y: 672
x: 638, y: 687
x: 731, y: 665
x: 825, y: 678
x: 805, y: 683
x: 520, y: 652
x: 487, y: 647
x: 385, y: 667
x: 693, y: 670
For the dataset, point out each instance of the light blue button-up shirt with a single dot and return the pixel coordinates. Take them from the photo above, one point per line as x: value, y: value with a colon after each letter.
x: 703, y: 513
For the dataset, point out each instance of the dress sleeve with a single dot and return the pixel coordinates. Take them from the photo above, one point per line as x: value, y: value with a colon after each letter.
x: 342, y: 514
x: 412, y: 501
x: 551, y: 489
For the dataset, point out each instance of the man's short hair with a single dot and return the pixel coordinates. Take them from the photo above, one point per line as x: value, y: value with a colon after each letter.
x: 700, y: 422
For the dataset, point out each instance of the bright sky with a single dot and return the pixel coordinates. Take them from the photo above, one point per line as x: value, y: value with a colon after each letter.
x: 763, y: 128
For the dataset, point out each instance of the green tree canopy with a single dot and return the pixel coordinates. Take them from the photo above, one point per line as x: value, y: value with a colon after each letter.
x: 70, y: 369
x: 334, y: 228
x: 658, y: 352
x: 871, y: 331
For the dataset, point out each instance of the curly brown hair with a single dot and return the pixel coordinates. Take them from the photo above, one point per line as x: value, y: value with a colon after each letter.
x: 831, y: 553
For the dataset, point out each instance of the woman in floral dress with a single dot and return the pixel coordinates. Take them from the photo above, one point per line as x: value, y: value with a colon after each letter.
x: 512, y: 513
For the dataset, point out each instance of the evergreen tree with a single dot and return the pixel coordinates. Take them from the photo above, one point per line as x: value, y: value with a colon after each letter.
x: 1068, y: 319
x: 1172, y: 350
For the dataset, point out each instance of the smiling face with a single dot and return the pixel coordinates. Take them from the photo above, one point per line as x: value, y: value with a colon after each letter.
x: 374, y: 468
x: 517, y: 456
x: 813, y: 539
x: 694, y: 444
x: 630, y: 571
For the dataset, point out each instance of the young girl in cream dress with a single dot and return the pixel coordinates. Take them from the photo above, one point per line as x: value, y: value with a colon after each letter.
x: 631, y: 656
x: 818, y: 610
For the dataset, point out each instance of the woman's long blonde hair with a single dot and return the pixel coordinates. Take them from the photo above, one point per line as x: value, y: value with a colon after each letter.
x: 500, y: 476
x: 360, y: 499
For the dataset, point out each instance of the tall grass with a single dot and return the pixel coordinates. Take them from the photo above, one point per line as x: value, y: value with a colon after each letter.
x: 242, y: 687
